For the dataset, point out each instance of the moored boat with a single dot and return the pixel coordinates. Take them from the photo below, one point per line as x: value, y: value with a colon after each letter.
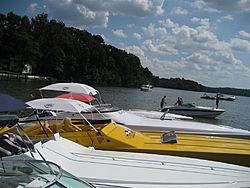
x: 205, y: 96
x: 193, y: 110
x: 109, y: 135
x: 111, y: 169
x: 133, y: 121
x: 146, y: 87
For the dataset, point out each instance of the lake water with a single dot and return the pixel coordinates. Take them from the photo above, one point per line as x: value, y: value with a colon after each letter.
x: 236, y: 112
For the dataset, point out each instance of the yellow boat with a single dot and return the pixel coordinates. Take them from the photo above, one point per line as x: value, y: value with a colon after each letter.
x: 113, y: 136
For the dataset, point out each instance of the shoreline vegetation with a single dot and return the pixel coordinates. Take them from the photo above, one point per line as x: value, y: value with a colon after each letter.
x: 52, y: 51
x: 175, y: 82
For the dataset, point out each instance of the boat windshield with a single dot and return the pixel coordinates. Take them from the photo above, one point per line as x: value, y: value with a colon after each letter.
x: 36, y: 173
x: 189, y: 105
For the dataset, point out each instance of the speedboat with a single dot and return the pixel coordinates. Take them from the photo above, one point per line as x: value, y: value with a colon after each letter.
x: 130, y: 120
x: 130, y: 169
x: 205, y: 96
x: 226, y: 97
x: 157, y: 115
x: 108, y: 135
x: 112, y: 169
x: 146, y: 87
x: 25, y: 170
x: 193, y: 110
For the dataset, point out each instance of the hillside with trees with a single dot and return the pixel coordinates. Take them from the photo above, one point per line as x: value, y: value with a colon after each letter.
x: 70, y: 54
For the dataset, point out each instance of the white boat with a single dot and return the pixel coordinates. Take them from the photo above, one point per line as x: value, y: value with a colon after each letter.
x: 121, y: 169
x: 24, y: 170
x: 193, y: 110
x: 136, y: 122
x: 133, y: 121
x: 226, y: 97
x: 157, y: 115
x: 146, y: 87
x: 126, y: 169
x: 117, y: 169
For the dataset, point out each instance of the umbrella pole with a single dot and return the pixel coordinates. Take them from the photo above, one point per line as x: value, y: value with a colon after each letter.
x: 90, y: 124
x: 39, y: 122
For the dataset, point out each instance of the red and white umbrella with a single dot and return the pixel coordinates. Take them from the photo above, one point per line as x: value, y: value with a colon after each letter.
x: 77, y: 96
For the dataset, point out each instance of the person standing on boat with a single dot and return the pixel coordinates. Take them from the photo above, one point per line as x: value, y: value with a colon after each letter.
x: 38, y: 95
x: 163, y: 101
x: 179, y: 101
x: 217, y: 100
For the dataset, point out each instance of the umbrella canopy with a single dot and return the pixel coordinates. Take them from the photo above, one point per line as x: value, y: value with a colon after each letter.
x: 59, y: 104
x: 77, y: 96
x: 72, y: 87
x: 8, y: 103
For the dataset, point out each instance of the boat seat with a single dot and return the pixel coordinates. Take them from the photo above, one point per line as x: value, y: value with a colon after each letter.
x: 58, y: 128
x: 69, y: 126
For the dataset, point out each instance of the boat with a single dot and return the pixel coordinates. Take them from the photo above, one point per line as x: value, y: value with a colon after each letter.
x: 226, y: 97
x: 221, y: 97
x: 114, y: 169
x: 205, y: 96
x: 157, y: 115
x: 108, y: 111
x: 193, y: 110
x: 20, y: 171
x: 146, y: 87
x: 108, y: 135
x: 23, y: 169
x: 134, y: 121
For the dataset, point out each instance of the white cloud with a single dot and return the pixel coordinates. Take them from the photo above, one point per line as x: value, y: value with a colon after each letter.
x: 240, y: 45
x: 168, y: 23
x: 244, y: 34
x: 135, y: 50
x: 228, y: 17
x: 227, y: 5
x: 33, y: 7
x: 178, y: 10
x: 119, y: 33
x: 137, y: 36
x: 130, y: 26
x: 152, y: 31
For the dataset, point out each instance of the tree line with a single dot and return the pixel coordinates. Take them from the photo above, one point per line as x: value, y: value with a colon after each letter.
x: 68, y: 54
x: 74, y: 55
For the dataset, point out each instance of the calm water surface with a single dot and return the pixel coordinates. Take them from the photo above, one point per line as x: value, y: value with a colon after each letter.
x: 236, y: 112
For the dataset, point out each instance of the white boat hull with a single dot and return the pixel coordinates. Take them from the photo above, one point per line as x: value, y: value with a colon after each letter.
x: 194, y: 111
x: 156, y: 125
x: 157, y: 115
x: 126, y: 169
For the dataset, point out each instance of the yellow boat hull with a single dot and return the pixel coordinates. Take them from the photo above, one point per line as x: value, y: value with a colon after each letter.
x: 117, y: 137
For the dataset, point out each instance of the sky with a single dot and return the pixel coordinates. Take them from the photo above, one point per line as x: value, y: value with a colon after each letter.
x: 207, y: 41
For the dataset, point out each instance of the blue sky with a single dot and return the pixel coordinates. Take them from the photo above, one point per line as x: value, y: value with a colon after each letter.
x: 207, y: 41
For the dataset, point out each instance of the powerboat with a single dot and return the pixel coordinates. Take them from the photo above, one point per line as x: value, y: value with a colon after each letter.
x: 226, y: 97
x: 130, y: 169
x: 108, y: 135
x: 193, y: 110
x: 146, y: 87
x: 157, y: 115
x: 205, y: 96
x: 132, y: 121
x: 25, y: 170
x: 221, y: 97
x: 110, y: 168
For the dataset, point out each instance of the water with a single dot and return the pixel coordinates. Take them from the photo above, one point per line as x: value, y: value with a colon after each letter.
x: 236, y: 112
